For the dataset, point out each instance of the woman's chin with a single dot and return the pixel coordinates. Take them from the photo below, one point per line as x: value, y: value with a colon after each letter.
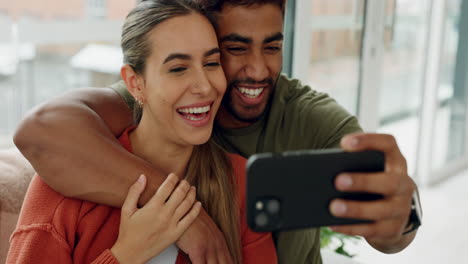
x: 199, y: 141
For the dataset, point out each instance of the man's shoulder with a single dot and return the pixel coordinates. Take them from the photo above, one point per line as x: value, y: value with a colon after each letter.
x: 314, y: 117
x: 294, y: 93
x: 121, y: 89
x: 302, y: 100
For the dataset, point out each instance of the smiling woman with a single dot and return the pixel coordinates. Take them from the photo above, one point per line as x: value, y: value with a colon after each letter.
x: 173, y: 70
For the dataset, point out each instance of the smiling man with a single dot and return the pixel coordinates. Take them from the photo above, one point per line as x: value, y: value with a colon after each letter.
x: 262, y: 111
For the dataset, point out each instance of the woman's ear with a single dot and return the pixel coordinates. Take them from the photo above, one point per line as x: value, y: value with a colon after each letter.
x: 133, y: 81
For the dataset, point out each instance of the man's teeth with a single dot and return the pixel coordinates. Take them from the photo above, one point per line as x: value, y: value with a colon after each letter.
x: 195, y: 110
x: 252, y: 93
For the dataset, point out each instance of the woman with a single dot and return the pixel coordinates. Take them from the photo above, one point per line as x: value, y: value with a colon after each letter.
x: 172, y: 68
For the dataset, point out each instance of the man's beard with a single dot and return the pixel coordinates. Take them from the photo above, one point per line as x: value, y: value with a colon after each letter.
x: 229, y: 105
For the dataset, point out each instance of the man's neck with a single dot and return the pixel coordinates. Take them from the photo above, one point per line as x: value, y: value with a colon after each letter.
x: 228, y: 121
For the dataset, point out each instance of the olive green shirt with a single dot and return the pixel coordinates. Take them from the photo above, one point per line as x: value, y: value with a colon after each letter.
x: 298, y: 118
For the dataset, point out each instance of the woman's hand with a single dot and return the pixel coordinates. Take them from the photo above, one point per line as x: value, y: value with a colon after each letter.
x: 146, y: 232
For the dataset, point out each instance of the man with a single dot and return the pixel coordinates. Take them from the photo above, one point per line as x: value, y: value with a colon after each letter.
x: 262, y: 112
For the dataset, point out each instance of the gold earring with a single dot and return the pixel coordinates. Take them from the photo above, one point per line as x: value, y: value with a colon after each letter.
x: 139, y: 102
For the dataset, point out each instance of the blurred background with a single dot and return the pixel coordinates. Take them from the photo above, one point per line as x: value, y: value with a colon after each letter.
x: 401, y: 66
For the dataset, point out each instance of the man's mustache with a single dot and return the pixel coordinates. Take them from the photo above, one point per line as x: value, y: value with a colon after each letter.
x: 267, y: 81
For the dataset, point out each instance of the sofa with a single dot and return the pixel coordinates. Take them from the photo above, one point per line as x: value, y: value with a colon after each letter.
x: 15, y: 175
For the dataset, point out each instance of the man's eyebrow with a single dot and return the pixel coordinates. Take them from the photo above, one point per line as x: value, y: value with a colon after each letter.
x: 174, y: 56
x: 275, y: 37
x: 236, y: 38
x: 211, y: 52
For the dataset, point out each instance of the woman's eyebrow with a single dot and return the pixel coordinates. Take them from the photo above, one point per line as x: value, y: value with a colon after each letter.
x: 211, y: 52
x: 174, y: 56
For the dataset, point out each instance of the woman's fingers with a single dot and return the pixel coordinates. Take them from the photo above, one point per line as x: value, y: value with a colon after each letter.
x: 178, y: 196
x: 188, y: 219
x: 164, y: 191
x: 185, y: 205
x: 131, y: 201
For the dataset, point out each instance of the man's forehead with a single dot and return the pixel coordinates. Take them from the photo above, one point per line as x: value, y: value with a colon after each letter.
x: 253, y: 21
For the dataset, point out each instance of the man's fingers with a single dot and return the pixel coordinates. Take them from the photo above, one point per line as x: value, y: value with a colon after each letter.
x: 212, y: 258
x: 185, y: 205
x: 164, y: 191
x: 222, y: 258
x: 131, y: 201
x: 369, y: 231
x: 378, y: 182
x: 188, y: 219
x: 366, y: 141
x: 370, y: 210
x: 394, y: 160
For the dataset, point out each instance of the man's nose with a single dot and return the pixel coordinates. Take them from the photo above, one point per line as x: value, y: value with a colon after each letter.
x: 256, y: 67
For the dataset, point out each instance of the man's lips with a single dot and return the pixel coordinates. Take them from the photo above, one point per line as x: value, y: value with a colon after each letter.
x: 251, y: 95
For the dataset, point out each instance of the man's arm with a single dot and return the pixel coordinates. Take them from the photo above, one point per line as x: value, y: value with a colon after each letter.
x: 71, y: 142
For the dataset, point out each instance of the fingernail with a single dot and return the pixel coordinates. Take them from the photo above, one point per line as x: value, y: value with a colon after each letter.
x: 352, y: 141
x: 338, y: 208
x: 141, y: 179
x: 344, y: 181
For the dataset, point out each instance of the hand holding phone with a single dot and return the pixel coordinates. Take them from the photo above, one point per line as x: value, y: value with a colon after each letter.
x: 293, y: 190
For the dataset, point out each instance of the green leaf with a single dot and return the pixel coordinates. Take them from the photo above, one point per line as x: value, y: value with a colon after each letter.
x: 328, y: 237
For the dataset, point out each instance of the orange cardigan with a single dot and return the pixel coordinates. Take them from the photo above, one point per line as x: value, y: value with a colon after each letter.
x: 56, y: 229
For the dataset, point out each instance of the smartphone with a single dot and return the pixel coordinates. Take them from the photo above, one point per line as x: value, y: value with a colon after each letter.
x: 293, y: 190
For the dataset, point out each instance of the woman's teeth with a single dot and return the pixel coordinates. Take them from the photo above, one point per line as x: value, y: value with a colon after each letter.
x: 194, y: 118
x: 195, y: 110
x: 251, y: 93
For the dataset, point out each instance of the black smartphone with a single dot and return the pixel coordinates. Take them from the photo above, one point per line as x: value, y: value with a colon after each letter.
x: 293, y: 190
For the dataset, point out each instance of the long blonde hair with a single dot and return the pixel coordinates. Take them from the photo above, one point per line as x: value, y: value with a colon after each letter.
x: 209, y: 168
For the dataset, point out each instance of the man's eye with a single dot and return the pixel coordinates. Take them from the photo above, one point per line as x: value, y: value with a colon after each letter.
x: 177, y: 69
x: 273, y: 49
x: 236, y: 50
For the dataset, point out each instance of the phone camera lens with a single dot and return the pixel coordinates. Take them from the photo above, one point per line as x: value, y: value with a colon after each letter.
x: 273, y: 206
x: 259, y: 205
x: 261, y: 220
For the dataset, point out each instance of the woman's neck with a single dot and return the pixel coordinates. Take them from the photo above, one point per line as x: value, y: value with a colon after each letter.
x: 152, y: 145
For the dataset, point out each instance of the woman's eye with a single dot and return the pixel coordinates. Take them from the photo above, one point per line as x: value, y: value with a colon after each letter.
x: 213, y: 64
x: 178, y: 69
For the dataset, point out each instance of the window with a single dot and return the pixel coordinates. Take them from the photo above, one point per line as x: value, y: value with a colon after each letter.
x: 451, y: 108
x: 329, y: 61
x: 403, y: 69
x: 49, y: 49
x: 96, y: 8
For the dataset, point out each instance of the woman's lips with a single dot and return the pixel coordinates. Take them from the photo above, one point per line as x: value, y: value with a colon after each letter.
x: 197, y: 115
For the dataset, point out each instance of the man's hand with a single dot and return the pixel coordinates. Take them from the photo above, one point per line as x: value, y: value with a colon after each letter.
x: 203, y: 242
x: 390, y: 214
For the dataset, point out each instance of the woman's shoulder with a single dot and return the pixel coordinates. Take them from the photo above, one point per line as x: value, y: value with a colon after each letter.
x: 238, y: 165
x: 41, y: 202
x: 236, y: 159
x: 44, y: 206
